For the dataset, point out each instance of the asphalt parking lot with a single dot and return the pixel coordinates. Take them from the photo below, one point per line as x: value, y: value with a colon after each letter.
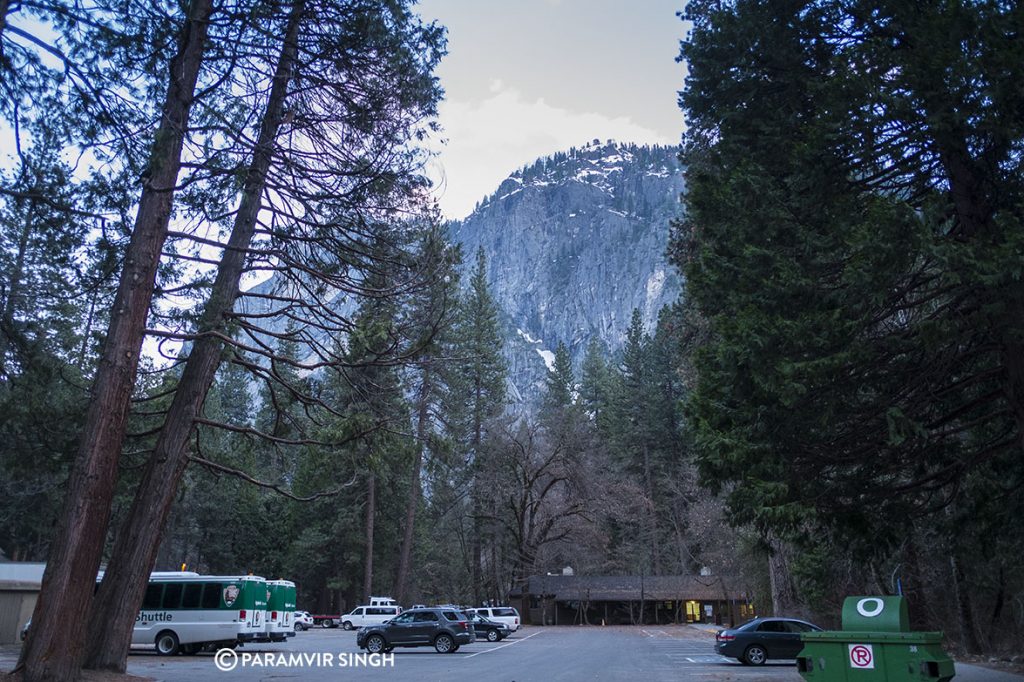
x: 648, y: 654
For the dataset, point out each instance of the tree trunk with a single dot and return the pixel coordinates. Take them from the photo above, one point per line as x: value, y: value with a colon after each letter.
x: 7, y: 331
x: 650, y: 524
x: 56, y: 646
x: 413, y: 501
x: 4, y: 7
x: 965, y: 615
x: 87, y: 332
x: 783, y: 594
x: 477, y: 540
x: 997, y: 609
x: 371, y: 510
x: 135, y: 550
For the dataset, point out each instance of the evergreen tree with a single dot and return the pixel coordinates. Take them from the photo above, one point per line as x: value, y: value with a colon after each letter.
x: 432, y: 313
x: 477, y: 398
x: 374, y: 403
x: 852, y: 207
x: 560, y: 390
x: 596, y: 387
x: 55, y: 650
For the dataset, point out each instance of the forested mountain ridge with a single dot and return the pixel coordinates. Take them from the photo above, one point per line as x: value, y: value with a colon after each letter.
x: 574, y: 242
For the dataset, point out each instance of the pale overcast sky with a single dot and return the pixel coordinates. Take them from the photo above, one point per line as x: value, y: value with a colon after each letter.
x: 527, y: 78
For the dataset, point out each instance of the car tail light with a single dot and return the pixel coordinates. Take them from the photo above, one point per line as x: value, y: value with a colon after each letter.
x: 722, y: 637
x: 517, y: 621
x: 241, y: 615
x: 464, y: 625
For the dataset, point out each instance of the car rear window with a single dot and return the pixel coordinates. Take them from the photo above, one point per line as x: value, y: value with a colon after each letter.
x: 451, y: 615
x: 505, y: 612
x: 772, y: 626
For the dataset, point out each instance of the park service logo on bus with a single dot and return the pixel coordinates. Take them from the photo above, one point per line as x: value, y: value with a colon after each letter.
x: 230, y: 595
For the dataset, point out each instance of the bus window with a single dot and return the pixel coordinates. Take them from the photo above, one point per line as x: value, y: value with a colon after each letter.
x: 193, y: 594
x: 172, y: 595
x: 153, y: 593
x: 211, y: 596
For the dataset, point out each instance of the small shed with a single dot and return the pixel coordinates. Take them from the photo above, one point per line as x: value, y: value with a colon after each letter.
x: 20, y: 583
x: 636, y: 599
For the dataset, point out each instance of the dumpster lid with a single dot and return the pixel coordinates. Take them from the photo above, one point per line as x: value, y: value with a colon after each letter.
x: 875, y: 614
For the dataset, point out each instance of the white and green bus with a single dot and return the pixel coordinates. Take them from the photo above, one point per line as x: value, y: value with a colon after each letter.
x: 185, y: 611
x: 280, y: 610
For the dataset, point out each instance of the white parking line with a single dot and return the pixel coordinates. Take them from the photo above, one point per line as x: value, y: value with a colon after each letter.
x: 487, y: 651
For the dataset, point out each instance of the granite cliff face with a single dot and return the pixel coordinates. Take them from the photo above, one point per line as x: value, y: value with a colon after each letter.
x: 574, y: 243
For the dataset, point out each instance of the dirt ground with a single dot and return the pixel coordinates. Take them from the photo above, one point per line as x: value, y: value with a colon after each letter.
x: 88, y: 676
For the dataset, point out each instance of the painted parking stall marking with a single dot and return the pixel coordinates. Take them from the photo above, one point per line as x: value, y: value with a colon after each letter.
x: 684, y: 651
x: 517, y: 641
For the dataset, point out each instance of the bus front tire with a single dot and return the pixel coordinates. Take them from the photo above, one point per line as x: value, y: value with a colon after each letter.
x: 167, y: 643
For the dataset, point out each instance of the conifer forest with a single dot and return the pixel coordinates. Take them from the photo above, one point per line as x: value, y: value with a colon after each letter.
x: 236, y: 333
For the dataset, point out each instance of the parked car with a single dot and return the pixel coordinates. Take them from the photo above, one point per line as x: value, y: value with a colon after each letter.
x: 491, y: 630
x: 502, y: 614
x: 761, y: 639
x: 369, y: 615
x: 444, y: 629
x: 303, y: 621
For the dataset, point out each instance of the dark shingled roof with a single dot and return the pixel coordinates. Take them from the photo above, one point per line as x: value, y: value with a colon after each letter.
x: 632, y: 587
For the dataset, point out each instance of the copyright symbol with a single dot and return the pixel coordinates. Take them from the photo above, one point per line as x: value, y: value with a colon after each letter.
x: 225, y: 660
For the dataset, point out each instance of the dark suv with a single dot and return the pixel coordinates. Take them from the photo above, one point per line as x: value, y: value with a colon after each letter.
x: 444, y: 629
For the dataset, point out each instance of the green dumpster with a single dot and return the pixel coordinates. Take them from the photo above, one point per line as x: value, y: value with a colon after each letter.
x: 875, y: 644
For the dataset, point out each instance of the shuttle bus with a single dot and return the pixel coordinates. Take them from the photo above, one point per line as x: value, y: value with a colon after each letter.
x: 185, y: 611
x: 280, y: 610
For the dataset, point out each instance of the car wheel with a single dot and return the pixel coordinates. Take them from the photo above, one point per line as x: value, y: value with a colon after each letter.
x: 493, y: 636
x: 755, y: 655
x: 347, y: 625
x: 444, y: 643
x: 375, y: 644
x: 167, y: 643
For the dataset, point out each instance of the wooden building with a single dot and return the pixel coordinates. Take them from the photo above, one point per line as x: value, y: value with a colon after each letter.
x: 20, y: 583
x: 634, y: 600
